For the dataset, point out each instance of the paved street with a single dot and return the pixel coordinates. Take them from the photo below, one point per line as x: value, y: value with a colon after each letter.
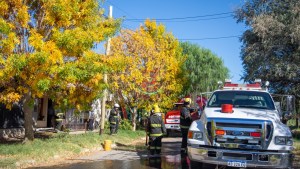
x: 119, y: 159
x: 170, y: 158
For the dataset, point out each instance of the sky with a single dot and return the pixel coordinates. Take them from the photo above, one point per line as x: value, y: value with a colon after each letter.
x: 207, y: 23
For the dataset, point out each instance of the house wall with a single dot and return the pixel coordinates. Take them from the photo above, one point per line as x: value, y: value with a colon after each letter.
x: 11, y: 122
x: 13, y: 118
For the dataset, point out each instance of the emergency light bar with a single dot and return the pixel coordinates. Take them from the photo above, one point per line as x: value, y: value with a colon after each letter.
x: 227, y: 80
x: 234, y: 86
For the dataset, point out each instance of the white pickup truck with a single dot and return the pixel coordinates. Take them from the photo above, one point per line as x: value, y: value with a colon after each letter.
x: 240, y: 127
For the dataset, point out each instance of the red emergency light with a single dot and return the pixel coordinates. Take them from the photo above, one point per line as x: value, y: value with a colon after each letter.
x: 220, y: 132
x: 227, y: 108
x: 255, y: 134
x: 256, y: 85
x: 231, y: 85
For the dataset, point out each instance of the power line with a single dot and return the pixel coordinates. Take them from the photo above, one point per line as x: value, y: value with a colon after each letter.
x: 210, y: 38
x: 183, y: 18
x: 134, y: 19
x: 190, y: 20
x: 196, y: 39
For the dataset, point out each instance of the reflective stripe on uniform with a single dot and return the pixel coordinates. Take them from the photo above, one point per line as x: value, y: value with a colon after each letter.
x: 156, y: 135
x: 153, y: 148
x: 155, y: 125
x: 184, y: 127
x: 113, y: 122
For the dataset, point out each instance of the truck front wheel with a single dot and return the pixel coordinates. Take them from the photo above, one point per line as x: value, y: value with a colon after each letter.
x: 169, y: 132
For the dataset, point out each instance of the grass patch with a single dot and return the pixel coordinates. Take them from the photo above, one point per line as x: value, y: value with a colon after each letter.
x: 59, y: 146
x: 297, y: 146
x: 8, y: 163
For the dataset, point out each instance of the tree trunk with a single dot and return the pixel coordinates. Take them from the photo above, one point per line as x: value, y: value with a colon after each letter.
x: 134, y: 119
x: 28, y: 124
x: 194, y: 98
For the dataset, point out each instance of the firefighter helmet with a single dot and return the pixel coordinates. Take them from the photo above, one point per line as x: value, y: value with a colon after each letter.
x: 187, y: 100
x: 156, y: 108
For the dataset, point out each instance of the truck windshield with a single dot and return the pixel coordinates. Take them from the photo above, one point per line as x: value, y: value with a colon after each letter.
x: 245, y: 99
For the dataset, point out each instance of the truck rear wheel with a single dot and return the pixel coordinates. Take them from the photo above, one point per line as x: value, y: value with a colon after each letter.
x: 198, y: 165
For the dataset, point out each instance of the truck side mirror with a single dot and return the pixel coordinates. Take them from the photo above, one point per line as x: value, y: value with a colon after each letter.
x: 286, y: 116
x: 286, y: 107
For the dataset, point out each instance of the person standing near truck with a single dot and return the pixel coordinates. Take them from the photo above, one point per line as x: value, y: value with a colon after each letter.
x: 185, y: 122
x: 155, y: 129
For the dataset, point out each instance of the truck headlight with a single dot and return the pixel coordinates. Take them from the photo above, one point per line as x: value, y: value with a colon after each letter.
x: 283, y: 140
x: 197, y: 135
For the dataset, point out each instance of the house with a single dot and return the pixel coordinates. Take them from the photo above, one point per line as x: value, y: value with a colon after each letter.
x: 12, y: 121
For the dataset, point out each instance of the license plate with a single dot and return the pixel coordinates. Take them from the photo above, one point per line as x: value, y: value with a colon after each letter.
x: 237, y: 164
x: 173, y: 120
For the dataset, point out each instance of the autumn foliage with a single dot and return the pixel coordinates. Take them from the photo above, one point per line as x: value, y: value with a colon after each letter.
x: 46, y: 50
x: 146, y: 67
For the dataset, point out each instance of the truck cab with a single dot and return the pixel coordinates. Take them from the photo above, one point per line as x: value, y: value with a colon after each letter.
x: 241, y: 127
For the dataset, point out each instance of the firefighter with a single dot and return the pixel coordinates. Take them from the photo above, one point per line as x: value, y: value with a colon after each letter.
x: 156, y: 129
x: 185, y: 122
x: 114, y: 119
x: 118, y: 116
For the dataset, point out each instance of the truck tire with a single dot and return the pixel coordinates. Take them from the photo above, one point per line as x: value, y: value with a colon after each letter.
x: 195, y: 164
x: 199, y: 165
x: 169, y: 132
x: 208, y: 166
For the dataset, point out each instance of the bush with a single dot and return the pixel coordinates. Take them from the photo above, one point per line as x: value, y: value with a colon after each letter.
x: 106, y: 125
x: 125, y: 125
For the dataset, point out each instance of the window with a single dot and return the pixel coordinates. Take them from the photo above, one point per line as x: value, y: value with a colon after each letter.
x: 247, y: 99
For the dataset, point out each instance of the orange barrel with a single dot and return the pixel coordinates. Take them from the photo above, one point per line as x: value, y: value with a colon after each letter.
x: 107, y: 145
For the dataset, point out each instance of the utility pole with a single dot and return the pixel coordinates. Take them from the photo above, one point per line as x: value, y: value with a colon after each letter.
x: 103, y: 111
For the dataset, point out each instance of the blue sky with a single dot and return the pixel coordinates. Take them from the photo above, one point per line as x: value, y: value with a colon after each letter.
x: 208, y: 23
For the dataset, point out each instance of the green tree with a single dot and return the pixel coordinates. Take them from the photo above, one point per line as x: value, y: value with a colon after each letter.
x: 46, y: 50
x: 203, y: 69
x: 147, y: 67
x: 271, y: 45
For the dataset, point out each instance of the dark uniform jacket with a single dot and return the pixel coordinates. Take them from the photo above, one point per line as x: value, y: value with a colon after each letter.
x: 156, y: 126
x: 113, y: 117
x: 185, y: 118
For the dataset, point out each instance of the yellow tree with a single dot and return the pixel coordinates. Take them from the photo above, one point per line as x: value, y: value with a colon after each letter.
x: 147, y: 67
x: 46, y: 50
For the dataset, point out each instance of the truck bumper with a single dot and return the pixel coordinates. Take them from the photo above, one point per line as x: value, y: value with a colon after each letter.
x: 173, y: 126
x: 240, y: 158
